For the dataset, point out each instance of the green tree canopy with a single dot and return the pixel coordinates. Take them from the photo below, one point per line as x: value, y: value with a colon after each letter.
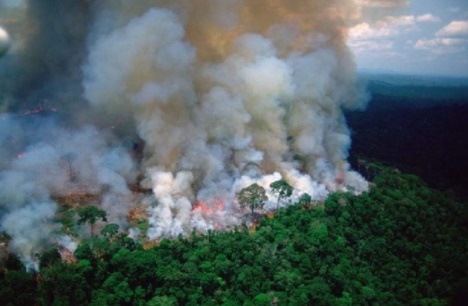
x: 283, y: 189
x: 305, y: 200
x: 91, y: 214
x: 253, y: 197
x: 401, y: 243
x: 110, y: 230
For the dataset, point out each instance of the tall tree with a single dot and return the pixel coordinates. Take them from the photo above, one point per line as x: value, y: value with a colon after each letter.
x: 305, y: 200
x: 253, y: 197
x: 110, y: 230
x: 91, y: 214
x: 283, y: 189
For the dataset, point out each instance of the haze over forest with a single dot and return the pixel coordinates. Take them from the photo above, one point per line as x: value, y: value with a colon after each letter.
x: 249, y: 152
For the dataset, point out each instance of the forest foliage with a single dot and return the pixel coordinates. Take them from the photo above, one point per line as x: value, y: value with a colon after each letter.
x: 400, y: 243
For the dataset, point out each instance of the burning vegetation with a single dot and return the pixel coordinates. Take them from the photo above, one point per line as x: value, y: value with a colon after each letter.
x: 162, y: 114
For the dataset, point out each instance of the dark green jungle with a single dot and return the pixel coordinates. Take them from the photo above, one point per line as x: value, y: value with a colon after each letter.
x: 403, y: 243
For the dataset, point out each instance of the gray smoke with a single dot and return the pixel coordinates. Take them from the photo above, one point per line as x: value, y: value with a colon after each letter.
x: 222, y: 94
x: 42, y: 162
x: 213, y: 90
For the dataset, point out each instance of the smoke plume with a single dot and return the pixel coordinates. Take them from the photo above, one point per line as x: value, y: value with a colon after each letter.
x: 193, y: 100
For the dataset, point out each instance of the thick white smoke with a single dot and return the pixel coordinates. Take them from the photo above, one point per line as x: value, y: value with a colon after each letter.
x: 221, y: 94
x: 210, y: 98
x: 55, y: 164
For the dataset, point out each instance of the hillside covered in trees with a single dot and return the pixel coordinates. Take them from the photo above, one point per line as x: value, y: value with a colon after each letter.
x: 417, y: 124
x: 401, y: 243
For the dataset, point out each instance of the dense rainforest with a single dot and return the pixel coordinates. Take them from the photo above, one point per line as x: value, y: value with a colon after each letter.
x: 417, y: 125
x: 402, y: 243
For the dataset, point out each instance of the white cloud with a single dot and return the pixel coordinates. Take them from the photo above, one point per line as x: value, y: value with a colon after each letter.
x: 431, y: 43
x: 427, y: 18
x: 410, y: 41
x: 369, y: 39
x: 396, y: 35
x: 364, y: 31
x: 454, y: 29
x: 369, y: 45
x: 382, y: 3
x: 442, y: 45
x: 398, y: 21
x: 390, y: 26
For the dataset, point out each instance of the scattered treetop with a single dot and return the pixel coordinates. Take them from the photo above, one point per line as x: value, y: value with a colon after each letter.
x: 283, y: 189
x: 253, y: 197
x: 399, y: 244
x: 91, y: 214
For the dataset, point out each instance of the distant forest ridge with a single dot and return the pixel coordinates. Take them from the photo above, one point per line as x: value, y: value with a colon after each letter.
x: 415, y: 80
x: 417, y: 91
x: 416, y: 127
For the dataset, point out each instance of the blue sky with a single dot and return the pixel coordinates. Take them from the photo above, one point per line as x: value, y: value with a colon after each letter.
x: 418, y: 37
x: 402, y: 36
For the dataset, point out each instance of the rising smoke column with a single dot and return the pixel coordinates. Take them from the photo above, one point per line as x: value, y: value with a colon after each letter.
x: 223, y: 93
x: 216, y: 86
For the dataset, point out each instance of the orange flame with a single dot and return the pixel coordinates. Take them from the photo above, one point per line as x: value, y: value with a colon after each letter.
x: 206, y: 209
